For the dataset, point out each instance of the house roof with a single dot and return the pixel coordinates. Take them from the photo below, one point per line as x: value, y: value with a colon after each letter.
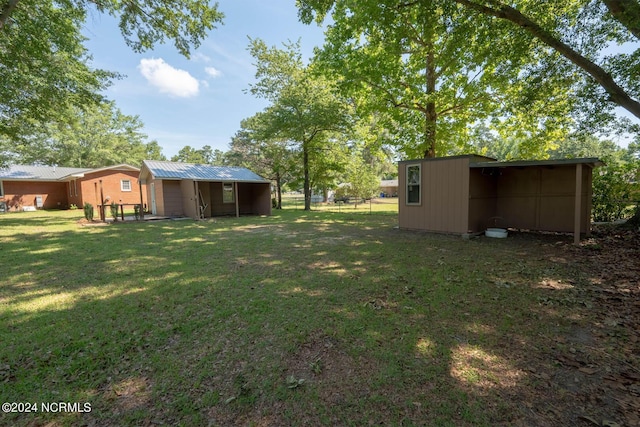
x: 39, y: 173
x: 197, y: 172
x: 121, y: 166
x: 388, y: 183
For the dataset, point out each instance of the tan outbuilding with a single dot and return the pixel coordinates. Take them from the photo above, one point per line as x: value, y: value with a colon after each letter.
x: 202, y: 191
x: 468, y: 194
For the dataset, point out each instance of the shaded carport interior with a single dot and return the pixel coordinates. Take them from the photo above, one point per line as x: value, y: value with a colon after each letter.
x: 547, y: 195
x: 250, y: 198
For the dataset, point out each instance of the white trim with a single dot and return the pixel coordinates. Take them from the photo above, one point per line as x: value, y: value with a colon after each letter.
x: 122, y: 186
x: 413, y: 184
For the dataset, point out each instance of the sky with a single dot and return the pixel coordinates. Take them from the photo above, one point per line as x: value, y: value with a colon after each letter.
x: 198, y: 101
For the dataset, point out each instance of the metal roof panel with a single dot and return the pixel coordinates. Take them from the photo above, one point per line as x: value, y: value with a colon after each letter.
x: 38, y: 173
x: 197, y: 172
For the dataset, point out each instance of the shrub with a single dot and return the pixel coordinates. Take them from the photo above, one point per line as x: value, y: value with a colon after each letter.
x: 613, y: 192
x: 114, y: 210
x: 88, y: 211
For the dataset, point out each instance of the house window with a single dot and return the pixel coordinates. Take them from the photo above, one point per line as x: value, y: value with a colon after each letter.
x: 73, y: 188
x: 227, y: 192
x: 125, y: 185
x: 413, y: 184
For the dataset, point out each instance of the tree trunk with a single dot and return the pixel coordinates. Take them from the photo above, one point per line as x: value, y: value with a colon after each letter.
x: 6, y: 12
x: 278, y: 191
x: 431, y: 116
x: 627, y: 12
x: 305, y: 166
x: 616, y: 93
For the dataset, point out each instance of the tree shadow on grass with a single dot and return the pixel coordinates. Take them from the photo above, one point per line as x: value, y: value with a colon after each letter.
x: 217, y: 322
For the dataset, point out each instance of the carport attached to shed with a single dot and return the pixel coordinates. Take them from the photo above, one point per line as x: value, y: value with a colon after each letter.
x: 200, y: 191
x: 467, y: 194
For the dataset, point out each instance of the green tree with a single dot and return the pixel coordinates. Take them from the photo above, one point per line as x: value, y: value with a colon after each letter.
x: 432, y: 70
x: 205, y: 156
x: 609, y: 79
x: 361, y: 178
x: 45, y: 74
x: 98, y: 135
x: 567, y: 41
x: 271, y: 159
x: 304, y: 106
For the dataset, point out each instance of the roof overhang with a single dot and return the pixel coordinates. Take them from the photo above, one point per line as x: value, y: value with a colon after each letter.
x: 588, y: 161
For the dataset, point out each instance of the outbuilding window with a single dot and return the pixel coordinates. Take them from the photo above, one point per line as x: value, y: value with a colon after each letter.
x: 125, y: 185
x: 1, y: 190
x: 227, y: 192
x: 413, y: 184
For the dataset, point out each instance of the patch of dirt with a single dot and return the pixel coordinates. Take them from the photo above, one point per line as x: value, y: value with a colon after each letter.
x: 94, y: 223
x: 591, y: 376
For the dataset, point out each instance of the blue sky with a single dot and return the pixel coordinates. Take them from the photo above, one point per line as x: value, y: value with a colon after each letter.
x: 197, y: 101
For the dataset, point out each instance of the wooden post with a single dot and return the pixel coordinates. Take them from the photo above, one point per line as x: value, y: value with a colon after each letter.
x: 235, y: 189
x: 141, y: 201
x: 197, y: 190
x: 121, y: 211
x: 577, y: 212
x: 102, y: 215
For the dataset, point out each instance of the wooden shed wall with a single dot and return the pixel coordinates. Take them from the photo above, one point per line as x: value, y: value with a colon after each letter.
x: 542, y: 197
x: 189, y: 202
x: 218, y: 208
x: 444, y: 191
x: 254, y: 198
x: 482, y: 200
x: 171, y: 200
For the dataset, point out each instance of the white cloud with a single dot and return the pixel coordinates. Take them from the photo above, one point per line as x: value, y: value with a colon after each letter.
x: 168, y: 79
x: 213, y: 72
x: 200, y: 57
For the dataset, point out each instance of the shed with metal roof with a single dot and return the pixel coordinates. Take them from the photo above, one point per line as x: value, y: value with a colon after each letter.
x: 468, y: 194
x: 202, y: 191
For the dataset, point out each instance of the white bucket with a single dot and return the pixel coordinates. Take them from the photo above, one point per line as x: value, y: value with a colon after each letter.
x: 499, y: 233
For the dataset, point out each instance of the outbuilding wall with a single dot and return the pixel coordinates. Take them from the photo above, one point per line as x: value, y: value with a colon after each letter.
x: 542, y: 198
x: 444, y: 205
x: 254, y: 198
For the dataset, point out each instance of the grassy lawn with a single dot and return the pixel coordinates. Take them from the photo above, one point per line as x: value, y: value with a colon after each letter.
x: 302, y: 318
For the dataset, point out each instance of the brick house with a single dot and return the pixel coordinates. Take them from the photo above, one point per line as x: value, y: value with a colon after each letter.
x: 50, y: 187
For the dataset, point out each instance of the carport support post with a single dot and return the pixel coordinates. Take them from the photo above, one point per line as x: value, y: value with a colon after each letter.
x: 578, y: 206
x: 102, y: 213
x: 235, y: 189
x: 197, y: 191
x: 141, y: 201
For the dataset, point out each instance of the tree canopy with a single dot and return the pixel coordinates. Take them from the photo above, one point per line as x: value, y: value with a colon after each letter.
x: 304, y: 105
x: 98, y: 135
x: 529, y: 69
x: 45, y: 70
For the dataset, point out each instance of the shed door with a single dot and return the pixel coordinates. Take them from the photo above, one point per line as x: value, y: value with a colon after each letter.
x: 153, y: 199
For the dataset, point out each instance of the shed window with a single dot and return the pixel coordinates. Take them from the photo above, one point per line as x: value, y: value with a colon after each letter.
x: 125, y: 185
x: 1, y: 190
x: 227, y: 192
x: 413, y: 184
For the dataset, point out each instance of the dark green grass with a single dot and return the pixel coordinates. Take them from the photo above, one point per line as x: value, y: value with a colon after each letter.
x: 202, y: 323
